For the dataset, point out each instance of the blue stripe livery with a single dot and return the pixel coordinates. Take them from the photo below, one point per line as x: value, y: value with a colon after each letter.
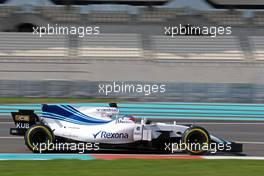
x: 69, y: 114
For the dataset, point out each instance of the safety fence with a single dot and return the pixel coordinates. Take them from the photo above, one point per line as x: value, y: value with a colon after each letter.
x: 169, y: 110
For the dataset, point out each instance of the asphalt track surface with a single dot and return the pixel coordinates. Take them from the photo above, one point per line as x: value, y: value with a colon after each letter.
x: 251, y: 134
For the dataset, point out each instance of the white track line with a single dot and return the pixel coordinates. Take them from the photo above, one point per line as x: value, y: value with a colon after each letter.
x: 9, y: 137
x: 6, y: 122
x: 249, y: 142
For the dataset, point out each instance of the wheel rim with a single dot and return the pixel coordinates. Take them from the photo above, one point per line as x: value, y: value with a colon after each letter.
x: 196, y: 141
x: 37, y: 137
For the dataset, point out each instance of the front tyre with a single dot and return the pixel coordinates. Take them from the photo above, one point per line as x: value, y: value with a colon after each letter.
x: 38, y: 137
x: 197, y: 140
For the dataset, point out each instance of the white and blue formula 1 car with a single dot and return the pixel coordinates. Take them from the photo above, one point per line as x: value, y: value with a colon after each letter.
x: 103, y: 126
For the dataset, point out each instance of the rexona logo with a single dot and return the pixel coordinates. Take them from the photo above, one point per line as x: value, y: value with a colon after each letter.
x: 107, y: 135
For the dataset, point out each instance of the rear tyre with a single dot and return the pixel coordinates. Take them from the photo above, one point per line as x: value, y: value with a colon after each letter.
x: 197, y: 140
x: 38, y: 137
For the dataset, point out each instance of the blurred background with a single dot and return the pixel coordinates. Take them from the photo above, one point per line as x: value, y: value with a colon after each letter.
x: 132, y: 48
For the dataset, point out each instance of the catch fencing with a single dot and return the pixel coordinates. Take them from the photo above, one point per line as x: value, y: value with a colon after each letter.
x: 169, y: 110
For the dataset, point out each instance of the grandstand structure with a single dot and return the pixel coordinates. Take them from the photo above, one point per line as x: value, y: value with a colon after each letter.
x: 129, y: 34
x: 79, y: 14
x: 228, y: 18
x: 197, y: 47
x: 130, y: 46
x: 257, y: 47
x: 111, y: 46
x: 28, y: 45
x: 258, y: 19
x: 132, y: 39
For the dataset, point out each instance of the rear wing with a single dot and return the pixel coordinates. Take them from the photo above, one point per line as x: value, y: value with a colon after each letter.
x: 23, y: 119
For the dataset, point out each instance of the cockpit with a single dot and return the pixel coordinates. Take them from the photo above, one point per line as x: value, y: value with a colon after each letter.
x: 114, y: 116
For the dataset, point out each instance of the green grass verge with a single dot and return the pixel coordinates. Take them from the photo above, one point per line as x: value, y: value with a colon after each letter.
x: 54, y: 100
x: 133, y: 168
